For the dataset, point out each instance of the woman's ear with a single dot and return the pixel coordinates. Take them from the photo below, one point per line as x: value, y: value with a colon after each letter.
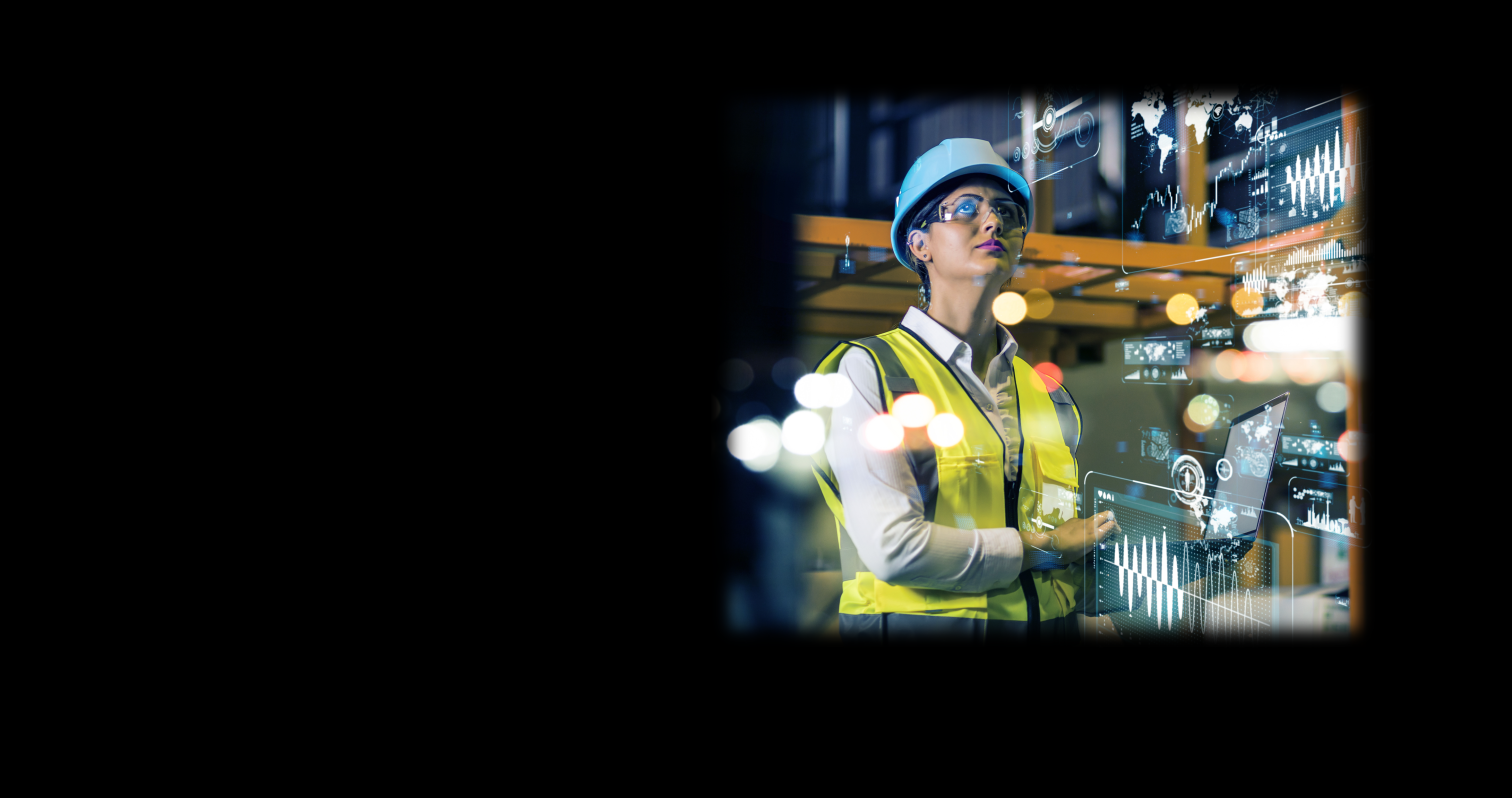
x: 918, y: 244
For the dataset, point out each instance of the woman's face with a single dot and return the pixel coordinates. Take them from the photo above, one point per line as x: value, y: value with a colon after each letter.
x: 985, y: 246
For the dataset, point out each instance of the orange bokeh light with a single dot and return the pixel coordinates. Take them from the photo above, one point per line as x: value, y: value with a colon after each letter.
x: 1182, y: 309
x: 1306, y: 368
x: 1257, y: 367
x: 1229, y: 365
x: 1039, y: 303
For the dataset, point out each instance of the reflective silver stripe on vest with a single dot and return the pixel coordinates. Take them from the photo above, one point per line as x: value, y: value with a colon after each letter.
x: 1065, y: 412
x: 850, y: 561
x: 920, y: 450
x: 897, y: 627
x: 898, y: 380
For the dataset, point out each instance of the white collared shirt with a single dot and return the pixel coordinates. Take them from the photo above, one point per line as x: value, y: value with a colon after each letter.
x: 884, y: 509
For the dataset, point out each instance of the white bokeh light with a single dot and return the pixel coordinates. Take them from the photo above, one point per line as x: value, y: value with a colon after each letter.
x: 1333, y: 397
x: 883, y: 433
x: 946, y: 430
x: 913, y: 410
x: 811, y: 390
x: 1326, y: 334
x: 755, y: 440
x: 837, y: 389
x: 803, y: 432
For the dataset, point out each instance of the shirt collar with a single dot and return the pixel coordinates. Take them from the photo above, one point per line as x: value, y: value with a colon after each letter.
x: 945, y: 342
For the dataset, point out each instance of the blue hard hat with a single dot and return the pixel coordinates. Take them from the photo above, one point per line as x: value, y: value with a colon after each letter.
x: 952, y: 158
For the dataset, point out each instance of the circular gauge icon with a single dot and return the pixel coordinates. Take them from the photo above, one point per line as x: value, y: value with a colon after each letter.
x: 1188, y: 480
x: 1225, y: 469
x: 1312, y: 462
x: 1049, y: 120
x: 1084, y: 129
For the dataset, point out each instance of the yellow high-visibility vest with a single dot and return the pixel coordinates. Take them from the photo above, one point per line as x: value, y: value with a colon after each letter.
x: 963, y: 485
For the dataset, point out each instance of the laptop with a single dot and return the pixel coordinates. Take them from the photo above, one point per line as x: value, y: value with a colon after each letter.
x: 1244, y: 472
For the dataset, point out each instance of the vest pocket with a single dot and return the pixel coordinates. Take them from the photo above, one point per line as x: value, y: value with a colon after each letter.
x: 1051, y: 496
x: 970, y: 491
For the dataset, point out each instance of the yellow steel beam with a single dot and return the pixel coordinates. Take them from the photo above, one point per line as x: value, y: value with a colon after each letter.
x: 845, y: 325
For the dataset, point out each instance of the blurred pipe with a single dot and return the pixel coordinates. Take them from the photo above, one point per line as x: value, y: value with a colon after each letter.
x: 1354, y: 411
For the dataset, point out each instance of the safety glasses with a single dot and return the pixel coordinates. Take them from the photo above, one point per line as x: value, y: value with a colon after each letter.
x: 968, y: 208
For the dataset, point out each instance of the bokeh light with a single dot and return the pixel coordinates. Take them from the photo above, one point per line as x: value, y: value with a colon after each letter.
x: 1229, y: 365
x: 1038, y: 303
x: 1182, y: 309
x: 882, y: 433
x: 756, y: 443
x: 1010, y: 307
x: 1306, y: 368
x: 946, y: 430
x: 1248, y: 302
x: 787, y: 371
x: 913, y: 410
x: 811, y: 390
x: 1257, y: 367
x: 1333, y: 397
x: 837, y: 389
x: 1352, y: 446
x: 1202, y: 411
x: 736, y: 375
x: 1352, y: 304
x: 803, y: 432
x: 1299, y: 335
x: 764, y: 462
x: 1048, y: 369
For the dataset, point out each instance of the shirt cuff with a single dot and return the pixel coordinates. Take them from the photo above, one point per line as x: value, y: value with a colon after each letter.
x: 1004, y: 557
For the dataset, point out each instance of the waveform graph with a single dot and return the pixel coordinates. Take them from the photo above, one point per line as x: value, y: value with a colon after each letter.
x: 1313, y: 170
x: 1321, y: 178
x: 1188, y: 590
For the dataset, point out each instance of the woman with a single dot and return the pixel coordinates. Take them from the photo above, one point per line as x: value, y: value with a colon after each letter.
x: 974, y: 538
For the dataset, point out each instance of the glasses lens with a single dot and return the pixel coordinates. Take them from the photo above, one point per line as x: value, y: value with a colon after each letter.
x: 1012, y: 214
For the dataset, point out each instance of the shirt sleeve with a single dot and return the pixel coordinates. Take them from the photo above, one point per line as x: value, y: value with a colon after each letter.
x: 884, y: 508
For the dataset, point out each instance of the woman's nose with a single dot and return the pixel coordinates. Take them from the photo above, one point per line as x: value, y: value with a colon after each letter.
x: 992, y: 222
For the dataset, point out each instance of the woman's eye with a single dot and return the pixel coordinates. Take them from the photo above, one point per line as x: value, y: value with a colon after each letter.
x: 967, y: 208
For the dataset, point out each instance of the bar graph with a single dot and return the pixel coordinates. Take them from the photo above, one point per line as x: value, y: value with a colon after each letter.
x: 1328, y: 506
x: 1332, y: 250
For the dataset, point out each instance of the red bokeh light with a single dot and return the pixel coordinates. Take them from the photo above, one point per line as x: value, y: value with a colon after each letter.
x: 1052, y: 371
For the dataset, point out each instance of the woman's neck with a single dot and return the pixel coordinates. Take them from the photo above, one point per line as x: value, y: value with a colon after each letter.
x: 966, y: 310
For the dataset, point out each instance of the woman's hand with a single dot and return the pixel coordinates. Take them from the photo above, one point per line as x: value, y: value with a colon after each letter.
x: 1074, y: 538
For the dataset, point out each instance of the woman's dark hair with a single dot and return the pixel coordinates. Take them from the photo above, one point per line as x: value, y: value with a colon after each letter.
x: 925, y: 212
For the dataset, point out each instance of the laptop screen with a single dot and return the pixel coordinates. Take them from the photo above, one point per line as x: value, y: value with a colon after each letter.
x: 1245, y: 469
